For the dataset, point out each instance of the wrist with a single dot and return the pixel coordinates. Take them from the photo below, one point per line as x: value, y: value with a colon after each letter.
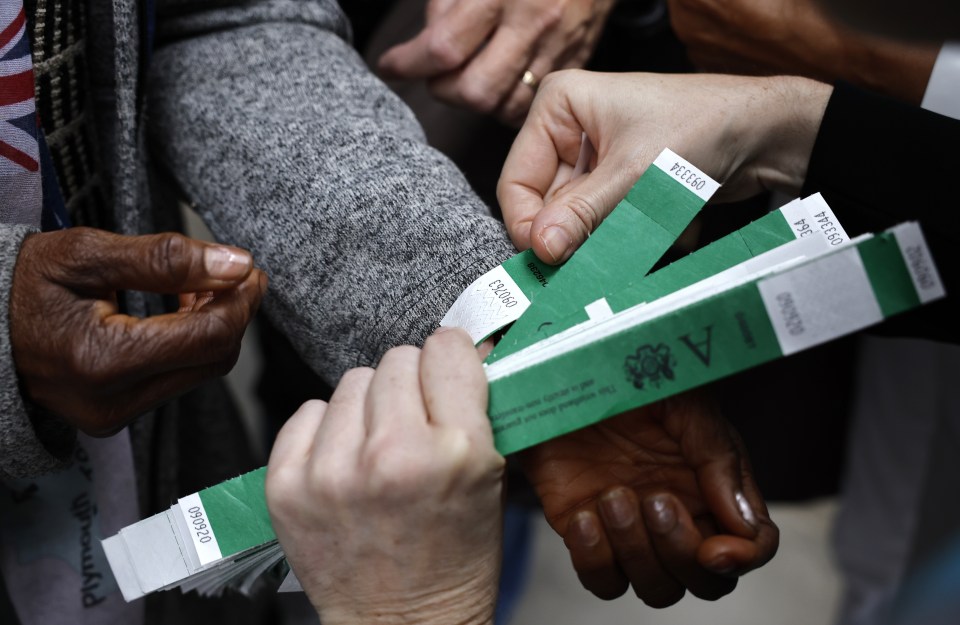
x: 458, y: 604
x: 785, y: 118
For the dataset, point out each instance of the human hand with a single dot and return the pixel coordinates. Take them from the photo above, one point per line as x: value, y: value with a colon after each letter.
x: 387, y: 502
x: 474, y: 54
x: 79, y: 358
x: 661, y: 498
x: 797, y: 37
x: 749, y: 133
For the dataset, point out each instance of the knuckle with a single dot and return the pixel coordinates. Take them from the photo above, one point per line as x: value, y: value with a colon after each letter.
x: 400, y: 354
x: 559, y: 79
x: 444, y: 50
x: 550, y: 16
x: 357, y: 376
x: 584, y: 210
x: 282, y: 487
x: 479, y: 96
x: 167, y: 257
x: 312, y: 405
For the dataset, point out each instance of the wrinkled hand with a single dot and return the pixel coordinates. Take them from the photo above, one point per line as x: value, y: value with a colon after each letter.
x: 749, y: 133
x: 79, y: 358
x: 387, y: 502
x: 474, y: 53
x: 660, y: 498
x: 796, y: 37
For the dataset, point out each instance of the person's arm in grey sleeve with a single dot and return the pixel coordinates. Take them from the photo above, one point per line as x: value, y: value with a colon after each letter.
x: 31, y: 444
x: 287, y: 145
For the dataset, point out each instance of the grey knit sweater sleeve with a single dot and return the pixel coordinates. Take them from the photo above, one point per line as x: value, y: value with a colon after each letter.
x: 24, y: 450
x: 287, y: 145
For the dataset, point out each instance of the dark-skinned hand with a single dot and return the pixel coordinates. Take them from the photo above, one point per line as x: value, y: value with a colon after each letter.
x: 77, y: 356
x: 660, y: 498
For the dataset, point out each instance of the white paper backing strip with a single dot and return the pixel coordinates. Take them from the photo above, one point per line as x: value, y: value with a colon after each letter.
x: 820, y: 301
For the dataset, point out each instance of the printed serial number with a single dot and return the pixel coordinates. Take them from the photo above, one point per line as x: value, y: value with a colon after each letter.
x: 500, y: 291
x: 688, y: 176
x: 200, y: 526
x: 922, y: 270
x: 790, y: 314
x: 826, y: 225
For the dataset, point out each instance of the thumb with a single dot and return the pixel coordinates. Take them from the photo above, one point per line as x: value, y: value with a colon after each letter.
x: 159, y: 263
x: 568, y: 218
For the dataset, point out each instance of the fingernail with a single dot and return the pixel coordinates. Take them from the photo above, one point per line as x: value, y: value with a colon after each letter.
x: 617, y: 510
x: 722, y: 565
x: 558, y: 243
x: 586, y: 529
x: 442, y: 329
x: 226, y: 263
x: 659, y: 514
x: 745, y: 510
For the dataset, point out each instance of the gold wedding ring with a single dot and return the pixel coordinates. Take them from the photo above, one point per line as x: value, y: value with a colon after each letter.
x: 530, y: 79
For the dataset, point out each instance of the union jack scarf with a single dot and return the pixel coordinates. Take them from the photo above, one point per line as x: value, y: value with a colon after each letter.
x: 21, y: 197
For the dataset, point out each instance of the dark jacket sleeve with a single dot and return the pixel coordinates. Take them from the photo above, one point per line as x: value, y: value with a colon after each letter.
x: 879, y: 162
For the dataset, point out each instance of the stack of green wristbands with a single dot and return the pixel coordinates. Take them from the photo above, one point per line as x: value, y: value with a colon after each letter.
x: 593, y: 338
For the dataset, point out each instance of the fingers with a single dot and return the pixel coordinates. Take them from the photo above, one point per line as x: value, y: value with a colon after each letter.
x: 160, y: 263
x: 344, y: 425
x: 731, y: 495
x: 492, y: 74
x: 635, y: 554
x: 550, y: 137
x: 564, y: 223
x: 128, y: 348
x: 295, y: 440
x: 453, y: 382
x: 395, y: 400
x: 593, y: 557
x: 676, y: 539
x: 514, y: 106
x: 448, y: 41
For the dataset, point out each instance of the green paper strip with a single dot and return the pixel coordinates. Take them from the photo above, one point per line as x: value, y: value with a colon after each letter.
x: 621, y: 250
x: 742, y: 327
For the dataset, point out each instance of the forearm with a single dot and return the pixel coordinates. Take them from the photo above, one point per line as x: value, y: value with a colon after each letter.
x: 288, y: 146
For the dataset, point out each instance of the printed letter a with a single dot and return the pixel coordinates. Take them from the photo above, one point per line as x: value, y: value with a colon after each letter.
x: 700, y: 349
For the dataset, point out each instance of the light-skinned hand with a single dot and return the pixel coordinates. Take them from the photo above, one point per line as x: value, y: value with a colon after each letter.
x: 387, y: 501
x: 748, y: 133
x: 475, y: 52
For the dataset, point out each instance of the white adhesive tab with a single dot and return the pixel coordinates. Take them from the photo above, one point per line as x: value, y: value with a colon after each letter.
x: 916, y: 255
x: 202, y: 535
x: 688, y: 175
x: 491, y: 302
x: 599, y: 309
x: 823, y: 220
x: 820, y: 301
x: 798, y: 218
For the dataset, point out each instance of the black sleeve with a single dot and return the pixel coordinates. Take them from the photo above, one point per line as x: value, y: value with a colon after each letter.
x: 879, y: 162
